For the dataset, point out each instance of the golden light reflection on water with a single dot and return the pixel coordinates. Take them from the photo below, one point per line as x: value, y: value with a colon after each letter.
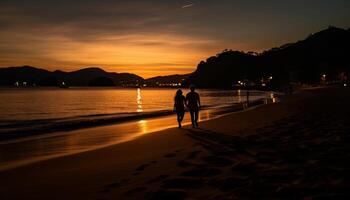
x: 66, y: 143
x: 143, y: 126
x: 139, y: 100
x: 204, y: 115
x: 239, y: 95
x: 272, y: 97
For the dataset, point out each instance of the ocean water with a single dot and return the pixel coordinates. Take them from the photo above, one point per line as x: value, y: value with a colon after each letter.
x: 27, y: 109
x: 35, y: 111
x: 52, y: 103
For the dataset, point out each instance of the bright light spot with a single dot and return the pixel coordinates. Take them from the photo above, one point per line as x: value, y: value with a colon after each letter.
x: 272, y: 97
x: 239, y: 93
x: 139, y: 100
x: 143, y: 126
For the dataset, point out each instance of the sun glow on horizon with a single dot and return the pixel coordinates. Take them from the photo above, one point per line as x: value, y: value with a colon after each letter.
x: 151, y: 38
x: 144, y: 55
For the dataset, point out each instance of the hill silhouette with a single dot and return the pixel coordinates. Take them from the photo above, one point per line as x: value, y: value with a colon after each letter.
x: 83, y: 77
x: 166, y: 80
x: 305, y: 61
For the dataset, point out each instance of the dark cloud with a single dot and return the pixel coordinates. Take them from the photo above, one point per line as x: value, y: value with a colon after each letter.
x: 34, y: 27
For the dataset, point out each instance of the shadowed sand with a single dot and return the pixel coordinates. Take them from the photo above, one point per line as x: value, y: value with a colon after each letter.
x: 298, y: 148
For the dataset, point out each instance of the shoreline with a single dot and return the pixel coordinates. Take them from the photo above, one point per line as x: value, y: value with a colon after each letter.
x: 13, y: 129
x: 168, y: 119
x: 286, y: 150
x: 43, y: 126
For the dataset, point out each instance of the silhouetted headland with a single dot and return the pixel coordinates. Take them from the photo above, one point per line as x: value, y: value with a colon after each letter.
x: 304, y: 62
x: 320, y: 58
x: 32, y: 76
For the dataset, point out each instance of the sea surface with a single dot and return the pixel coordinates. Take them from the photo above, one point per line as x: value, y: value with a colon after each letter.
x: 31, y: 110
x: 35, y: 112
x: 52, y: 103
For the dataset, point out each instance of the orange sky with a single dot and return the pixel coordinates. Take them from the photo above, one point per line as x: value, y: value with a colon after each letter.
x: 155, y: 37
x: 145, y: 55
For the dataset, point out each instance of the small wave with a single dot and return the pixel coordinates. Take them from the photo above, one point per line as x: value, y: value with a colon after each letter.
x: 11, y: 129
x: 18, y: 128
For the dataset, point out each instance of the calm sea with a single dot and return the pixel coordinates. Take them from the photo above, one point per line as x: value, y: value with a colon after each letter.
x: 28, y: 111
x: 31, y: 111
x: 52, y: 103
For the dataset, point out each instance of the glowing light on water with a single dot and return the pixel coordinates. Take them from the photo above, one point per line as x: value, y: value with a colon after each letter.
x: 272, y: 97
x: 239, y: 95
x: 139, y: 100
x: 143, y: 125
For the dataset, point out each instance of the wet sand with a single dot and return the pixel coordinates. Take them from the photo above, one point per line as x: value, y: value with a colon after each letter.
x: 25, y: 150
x: 290, y: 150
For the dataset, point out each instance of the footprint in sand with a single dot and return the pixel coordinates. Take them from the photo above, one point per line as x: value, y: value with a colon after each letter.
x: 109, y: 187
x: 244, y: 169
x: 135, y: 190
x: 230, y: 183
x: 178, y: 150
x: 182, y: 183
x: 170, y: 155
x: 201, y: 172
x: 184, y: 163
x: 136, y: 173
x: 217, y: 161
x: 171, y: 194
x: 159, y: 178
x: 142, y: 167
x: 193, y: 154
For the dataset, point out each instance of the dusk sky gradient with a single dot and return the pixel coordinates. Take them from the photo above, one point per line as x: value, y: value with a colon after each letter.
x: 153, y: 37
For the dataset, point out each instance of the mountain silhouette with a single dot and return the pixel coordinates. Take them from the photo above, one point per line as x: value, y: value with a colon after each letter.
x: 166, y: 80
x: 101, y: 82
x: 305, y: 61
x: 84, y: 77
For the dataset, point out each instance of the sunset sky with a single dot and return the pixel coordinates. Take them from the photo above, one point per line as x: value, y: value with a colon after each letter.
x: 153, y: 37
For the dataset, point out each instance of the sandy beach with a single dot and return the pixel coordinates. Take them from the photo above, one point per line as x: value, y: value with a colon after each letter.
x: 297, y: 148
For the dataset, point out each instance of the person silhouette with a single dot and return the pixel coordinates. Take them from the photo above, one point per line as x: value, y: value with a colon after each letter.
x: 193, y: 104
x: 179, y: 106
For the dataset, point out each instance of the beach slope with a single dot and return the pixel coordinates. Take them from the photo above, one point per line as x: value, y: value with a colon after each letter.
x: 294, y: 149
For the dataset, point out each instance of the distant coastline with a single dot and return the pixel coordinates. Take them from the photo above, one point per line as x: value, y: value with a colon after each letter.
x: 321, y: 58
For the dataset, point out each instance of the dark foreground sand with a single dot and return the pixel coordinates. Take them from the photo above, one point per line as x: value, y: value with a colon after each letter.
x: 296, y: 149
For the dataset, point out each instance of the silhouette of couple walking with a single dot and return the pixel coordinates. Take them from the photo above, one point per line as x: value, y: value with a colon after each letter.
x: 191, y: 101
